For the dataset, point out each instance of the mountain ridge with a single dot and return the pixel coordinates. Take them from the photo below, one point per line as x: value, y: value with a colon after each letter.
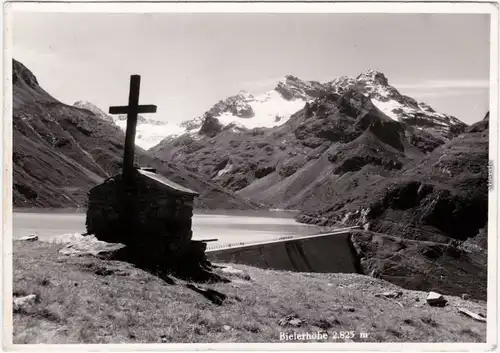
x: 245, y: 110
x: 275, y: 107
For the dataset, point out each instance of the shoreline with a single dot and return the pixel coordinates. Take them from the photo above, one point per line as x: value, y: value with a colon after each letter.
x: 229, y: 227
x: 196, y: 211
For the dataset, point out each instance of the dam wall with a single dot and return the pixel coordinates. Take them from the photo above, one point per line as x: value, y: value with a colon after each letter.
x: 330, y: 253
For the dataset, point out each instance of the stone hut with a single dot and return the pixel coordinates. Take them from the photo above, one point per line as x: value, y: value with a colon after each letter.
x: 151, y: 215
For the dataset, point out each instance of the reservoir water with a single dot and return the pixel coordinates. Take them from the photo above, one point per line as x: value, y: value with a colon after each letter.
x: 227, y: 226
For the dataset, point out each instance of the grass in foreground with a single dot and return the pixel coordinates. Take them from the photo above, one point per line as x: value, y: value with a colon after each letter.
x: 87, y: 300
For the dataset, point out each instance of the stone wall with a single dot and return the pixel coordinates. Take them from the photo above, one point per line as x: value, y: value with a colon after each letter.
x: 103, y: 212
x: 161, y: 213
x: 152, y: 213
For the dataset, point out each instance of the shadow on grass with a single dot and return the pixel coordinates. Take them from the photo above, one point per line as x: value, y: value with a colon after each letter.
x: 187, y: 271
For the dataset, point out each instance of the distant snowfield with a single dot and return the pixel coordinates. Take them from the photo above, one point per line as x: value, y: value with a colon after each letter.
x: 267, y: 107
x: 149, y: 135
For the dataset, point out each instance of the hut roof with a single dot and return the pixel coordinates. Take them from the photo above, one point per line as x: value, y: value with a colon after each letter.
x: 166, y: 182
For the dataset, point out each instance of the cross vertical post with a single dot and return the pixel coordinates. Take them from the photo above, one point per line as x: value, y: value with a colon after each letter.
x: 131, y: 110
x: 133, y: 102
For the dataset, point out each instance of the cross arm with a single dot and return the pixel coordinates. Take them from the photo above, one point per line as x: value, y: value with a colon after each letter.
x: 141, y: 109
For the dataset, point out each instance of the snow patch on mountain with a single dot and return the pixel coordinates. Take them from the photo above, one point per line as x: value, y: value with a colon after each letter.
x: 387, y: 108
x: 246, y: 111
x: 151, y: 133
x: 269, y: 109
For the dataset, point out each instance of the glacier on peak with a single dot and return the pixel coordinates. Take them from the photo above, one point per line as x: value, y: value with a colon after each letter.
x: 149, y: 134
x: 245, y: 110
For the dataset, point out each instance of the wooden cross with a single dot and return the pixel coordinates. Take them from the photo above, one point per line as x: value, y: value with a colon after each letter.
x: 131, y: 110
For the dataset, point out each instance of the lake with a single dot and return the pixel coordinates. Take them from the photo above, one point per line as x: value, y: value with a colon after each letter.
x: 226, y: 226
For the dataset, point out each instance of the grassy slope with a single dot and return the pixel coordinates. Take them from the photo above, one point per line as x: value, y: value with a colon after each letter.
x: 87, y: 300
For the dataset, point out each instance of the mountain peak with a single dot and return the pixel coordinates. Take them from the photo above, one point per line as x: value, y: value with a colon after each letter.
x: 94, y: 109
x: 243, y: 94
x: 292, y: 78
x: 89, y: 106
x: 374, y: 76
x: 22, y: 73
x: 84, y: 104
x: 292, y: 87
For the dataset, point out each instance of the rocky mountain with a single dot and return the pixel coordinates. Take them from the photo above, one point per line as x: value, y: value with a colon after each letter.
x: 291, y: 165
x: 387, y: 98
x: 238, y: 112
x: 61, y: 151
x: 275, y: 107
x: 442, y: 195
x: 245, y: 110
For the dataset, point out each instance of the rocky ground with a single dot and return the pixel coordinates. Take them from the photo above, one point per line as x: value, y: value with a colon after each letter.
x: 448, y: 268
x: 61, y: 151
x: 67, y: 299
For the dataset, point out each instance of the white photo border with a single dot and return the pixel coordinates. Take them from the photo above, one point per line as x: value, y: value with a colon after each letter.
x: 367, y: 7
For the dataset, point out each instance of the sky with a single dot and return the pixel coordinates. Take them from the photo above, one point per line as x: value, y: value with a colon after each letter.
x: 188, y: 62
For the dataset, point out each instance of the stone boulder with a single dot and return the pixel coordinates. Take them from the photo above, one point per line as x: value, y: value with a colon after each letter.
x: 90, y: 245
x: 31, y: 237
x: 21, y: 303
x: 291, y: 320
x: 436, y: 299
